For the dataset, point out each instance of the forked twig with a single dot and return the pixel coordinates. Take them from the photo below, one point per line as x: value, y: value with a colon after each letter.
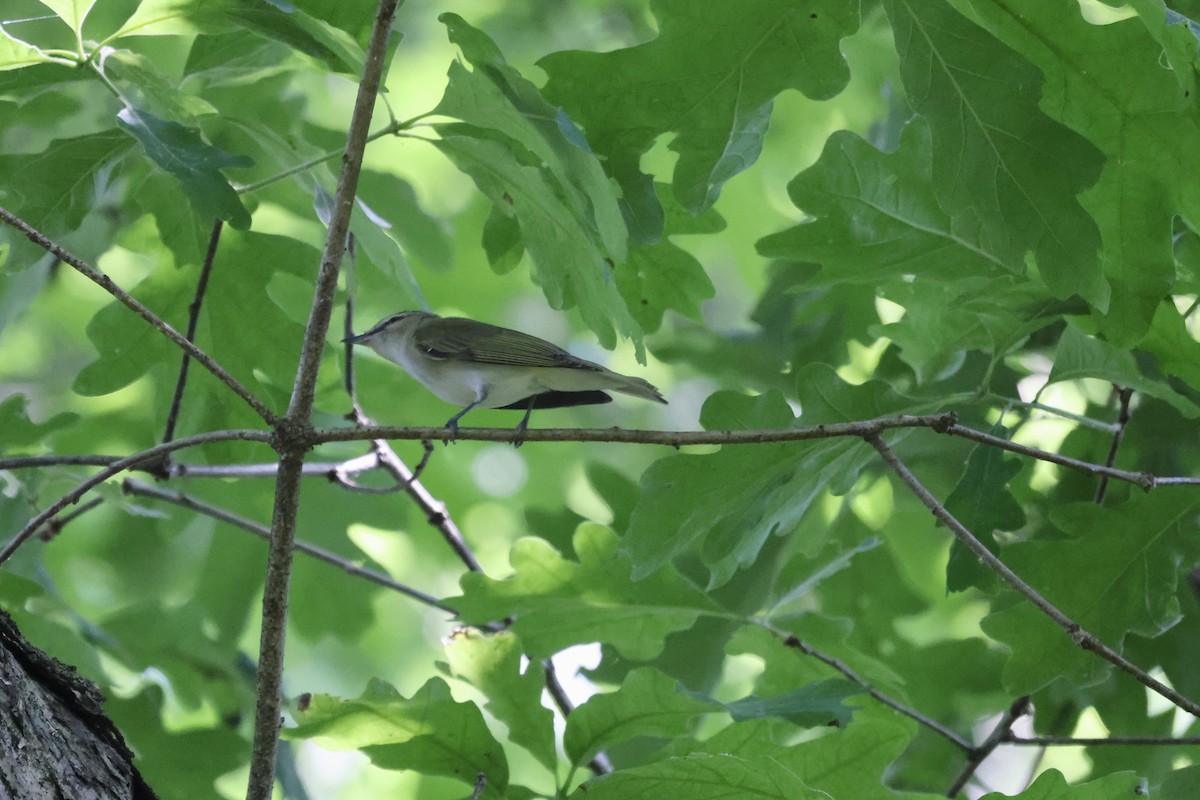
x: 107, y: 283
x: 1085, y: 640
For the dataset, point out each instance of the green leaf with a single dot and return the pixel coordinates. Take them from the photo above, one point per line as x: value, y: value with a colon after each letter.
x: 701, y: 776
x: 1007, y: 173
x: 1082, y: 356
x: 558, y: 603
x: 15, y: 54
x: 492, y: 663
x: 237, y: 300
x: 1122, y: 574
x: 170, y: 755
x: 648, y: 704
x: 420, y: 234
x: 126, y: 344
x: 808, y: 706
x: 570, y: 264
x: 1108, y: 83
x: 72, y: 12
x: 429, y: 732
x: 502, y: 241
x: 55, y: 189
x: 301, y: 32
x: 143, y: 86
x: 663, y: 276
x: 709, y: 78
x: 983, y: 503
x: 495, y: 96
x: 849, y: 762
x: 1182, y: 784
x: 1051, y: 785
x: 1177, y: 351
x: 20, y: 431
x: 876, y: 216
x: 727, y: 504
x: 180, y: 151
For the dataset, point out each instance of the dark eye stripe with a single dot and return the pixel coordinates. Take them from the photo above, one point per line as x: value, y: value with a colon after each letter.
x: 387, y: 322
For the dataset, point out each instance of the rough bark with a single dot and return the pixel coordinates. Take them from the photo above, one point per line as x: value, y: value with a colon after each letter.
x: 55, y: 741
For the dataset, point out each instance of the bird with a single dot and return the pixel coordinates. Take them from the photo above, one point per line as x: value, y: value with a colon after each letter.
x: 473, y: 364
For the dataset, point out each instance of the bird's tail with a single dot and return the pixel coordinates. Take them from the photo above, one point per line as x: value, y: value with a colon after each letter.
x: 627, y: 384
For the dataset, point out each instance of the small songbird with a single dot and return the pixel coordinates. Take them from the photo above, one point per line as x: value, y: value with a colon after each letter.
x: 475, y: 365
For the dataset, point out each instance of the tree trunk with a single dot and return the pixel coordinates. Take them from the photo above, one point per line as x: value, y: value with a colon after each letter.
x: 55, y: 741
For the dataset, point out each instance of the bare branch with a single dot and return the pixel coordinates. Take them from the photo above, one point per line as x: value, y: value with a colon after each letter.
x: 796, y: 643
x: 998, y: 736
x: 55, y: 526
x: 25, y: 462
x: 1142, y: 479
x: 193, y: 319
x: 434, y: 510
x: 116, y: 468
x: 599, y: 765
x: 136, y: 487
x: 1071, y: 741
x: 293, y: 435
x: 128, y: 300
x: 1123, y: 416
x: 480, y: 785
x: 940, y: 422
x: 1081, y: 637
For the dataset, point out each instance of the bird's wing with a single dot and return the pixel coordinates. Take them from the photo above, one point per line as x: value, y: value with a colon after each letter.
x: 465, y: 340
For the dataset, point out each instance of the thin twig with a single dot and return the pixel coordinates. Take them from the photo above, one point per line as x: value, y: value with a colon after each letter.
x: 1085, y: 640
x: 978, y: 754
x: 1123, y: 416
x: 599, y: 765
x: 323, y: 469
x: 106, y: 283
x: 796, y: 643
x: 135, y: 487
x: 193, y: 320
x: 24, y: 462
x: 117, y: 467
x: 1072, y: 741
x: 292, y: 439
x: 55, y: 526
x: 434, y: 510
x: 389, y: 130
x: 1142, y: 479
x: 1099, y: 425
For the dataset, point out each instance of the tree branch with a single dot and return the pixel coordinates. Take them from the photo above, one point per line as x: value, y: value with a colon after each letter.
x: 106, y: 283
x: 193, y: 319
x: 292, y: 437
x: 796, y: 643
x: 1071, y: 741
x: 1123, y: 417
x: 135, y: 487
x: 1142, y: 479
x: 117, y: 467
x: 599, y: 765
x: 998, y: 736
x: 1081, y: 637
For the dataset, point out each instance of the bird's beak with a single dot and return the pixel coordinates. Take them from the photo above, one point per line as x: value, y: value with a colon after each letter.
x: 354, y: 339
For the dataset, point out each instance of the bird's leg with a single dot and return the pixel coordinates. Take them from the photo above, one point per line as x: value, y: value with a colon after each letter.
x: 519, y: 433
x: 452, y: 423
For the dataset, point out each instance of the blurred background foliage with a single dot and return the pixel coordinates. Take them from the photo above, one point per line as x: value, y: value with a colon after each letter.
x: 933, y: 219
